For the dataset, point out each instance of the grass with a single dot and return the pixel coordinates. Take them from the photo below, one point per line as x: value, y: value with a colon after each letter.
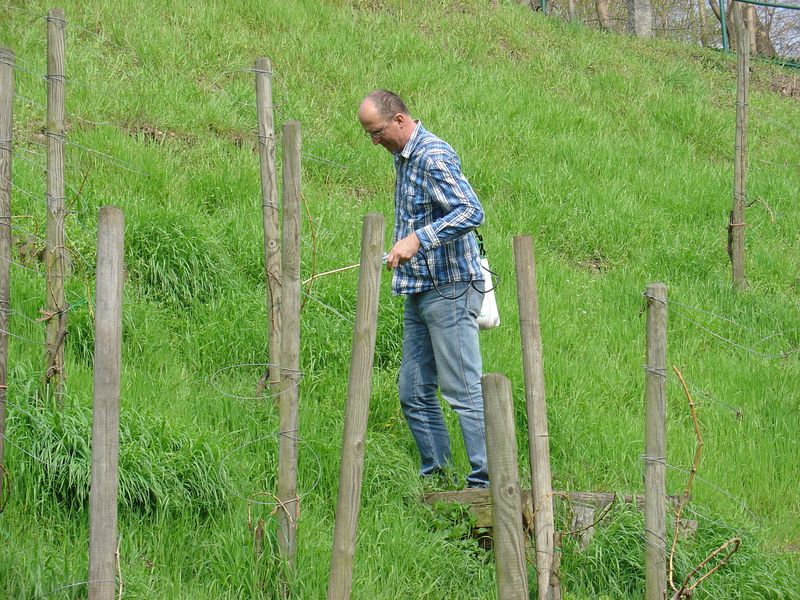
x: 615, y: 154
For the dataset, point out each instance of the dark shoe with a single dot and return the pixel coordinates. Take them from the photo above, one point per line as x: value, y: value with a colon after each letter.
x: 478, y: 485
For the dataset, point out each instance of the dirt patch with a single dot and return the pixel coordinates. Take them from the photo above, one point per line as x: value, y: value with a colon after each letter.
x: 594, y: 265
x: 153, y: 134
x: 787, y: 85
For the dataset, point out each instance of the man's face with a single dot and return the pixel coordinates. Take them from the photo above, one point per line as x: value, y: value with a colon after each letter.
x: 383, y: 131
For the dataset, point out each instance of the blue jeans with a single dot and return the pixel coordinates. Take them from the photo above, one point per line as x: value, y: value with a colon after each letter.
x: 441, y: 349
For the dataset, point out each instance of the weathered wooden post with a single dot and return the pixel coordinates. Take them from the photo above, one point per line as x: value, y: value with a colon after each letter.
x: 6, y: 135
x: 501, y: 444
x: 105, y: 414
x: 348, y: 501
x: 290, y: 349
x: 269, y: 201
x: 655, y: 468
x: 737, y: 221
x: 538, y: 439
x: 55, y: 255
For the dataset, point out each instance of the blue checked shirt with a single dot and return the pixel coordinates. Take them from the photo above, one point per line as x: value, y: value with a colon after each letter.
x: 434, y: 199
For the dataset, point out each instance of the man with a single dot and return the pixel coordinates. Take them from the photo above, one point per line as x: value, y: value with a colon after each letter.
x: 436, y: 266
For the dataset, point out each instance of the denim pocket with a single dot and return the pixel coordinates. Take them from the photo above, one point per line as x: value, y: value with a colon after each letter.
x: 475, y: 298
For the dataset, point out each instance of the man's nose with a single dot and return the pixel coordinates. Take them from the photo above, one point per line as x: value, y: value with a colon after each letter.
x: 376, y: 140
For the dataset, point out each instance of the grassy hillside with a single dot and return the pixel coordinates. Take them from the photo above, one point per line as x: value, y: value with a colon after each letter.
x: 615, y: 154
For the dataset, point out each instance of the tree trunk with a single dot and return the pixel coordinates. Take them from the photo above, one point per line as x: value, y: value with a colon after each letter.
x: 602, y: 14
x: 572, y: 11
x: 751, y: 19
x: 730, y: 30
x: 761, y: 42
x: 640, y: 18
x: 701, y: 13
x: 760, y: 39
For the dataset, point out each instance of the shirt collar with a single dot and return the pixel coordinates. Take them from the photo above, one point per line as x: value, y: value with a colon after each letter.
x: 412, y: 141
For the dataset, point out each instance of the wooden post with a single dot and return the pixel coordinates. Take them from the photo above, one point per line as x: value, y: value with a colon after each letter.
x: 290, y: 348
x: 737, y: 222
x: 55, y: 255
x: 538, y: 439
x: 6, y: 135
x: 105, y: 414
x: 501, y: 444
x: 348, y: 501
x: 269, y: 202
x: 655, y: 468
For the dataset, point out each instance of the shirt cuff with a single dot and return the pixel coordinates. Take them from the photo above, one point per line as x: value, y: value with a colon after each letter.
x: 427, y: 237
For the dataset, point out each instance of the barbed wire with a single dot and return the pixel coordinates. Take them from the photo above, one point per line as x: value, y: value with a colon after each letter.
x: 68, y: 115
x: 773, y: 163
x: 266, y: 368
x: 17, y: 407
x: 61, y: 179
x: 19, y: 337
x: 731, y: 342
x: 74, y: 585
x: 738, y: 412
x: 18, y: 148
x: 763, y: 115
x: 781, y: 355
x: 16, y: 66
x: 107, y: 157
x: 329, y: 307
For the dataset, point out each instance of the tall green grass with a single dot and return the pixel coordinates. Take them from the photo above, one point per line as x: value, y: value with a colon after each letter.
x: 614, y: 153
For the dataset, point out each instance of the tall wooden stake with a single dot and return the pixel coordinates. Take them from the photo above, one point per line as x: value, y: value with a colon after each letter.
x: 6, y: 135
x: 288, y: 509
x: 55, y: 255
x: 348, y: 502
x: 655, y: 468
x: 501, y: 444
x: 737, y: 223
x: 269, y: 201
x: 538, y: 438
x: 105, y: 414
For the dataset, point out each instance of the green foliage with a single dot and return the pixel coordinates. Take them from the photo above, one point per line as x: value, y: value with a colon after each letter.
x: 160, y: 468
x: 175, y: 259
x: 457, y: 525
x: 614, y: 153
x: 611, y: 566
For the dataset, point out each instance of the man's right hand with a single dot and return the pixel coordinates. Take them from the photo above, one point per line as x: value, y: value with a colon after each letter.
x: 403, y: 251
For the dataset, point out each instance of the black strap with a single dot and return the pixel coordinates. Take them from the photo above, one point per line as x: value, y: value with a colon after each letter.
x: 480, y: 243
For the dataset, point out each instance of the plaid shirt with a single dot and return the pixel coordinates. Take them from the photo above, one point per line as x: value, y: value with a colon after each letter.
x: 434, y: 199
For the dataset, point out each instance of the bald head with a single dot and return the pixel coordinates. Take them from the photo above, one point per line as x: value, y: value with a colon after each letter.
x: 385, y: 118
x: 387, y: 103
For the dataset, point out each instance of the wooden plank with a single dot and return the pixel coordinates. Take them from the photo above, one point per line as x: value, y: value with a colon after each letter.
x: 480, y: 502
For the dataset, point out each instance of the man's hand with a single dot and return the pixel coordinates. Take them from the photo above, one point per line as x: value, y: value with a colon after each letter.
x: 403, y: 251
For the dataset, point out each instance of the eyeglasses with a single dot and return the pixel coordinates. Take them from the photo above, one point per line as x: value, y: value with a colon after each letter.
x: 376, y: 134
